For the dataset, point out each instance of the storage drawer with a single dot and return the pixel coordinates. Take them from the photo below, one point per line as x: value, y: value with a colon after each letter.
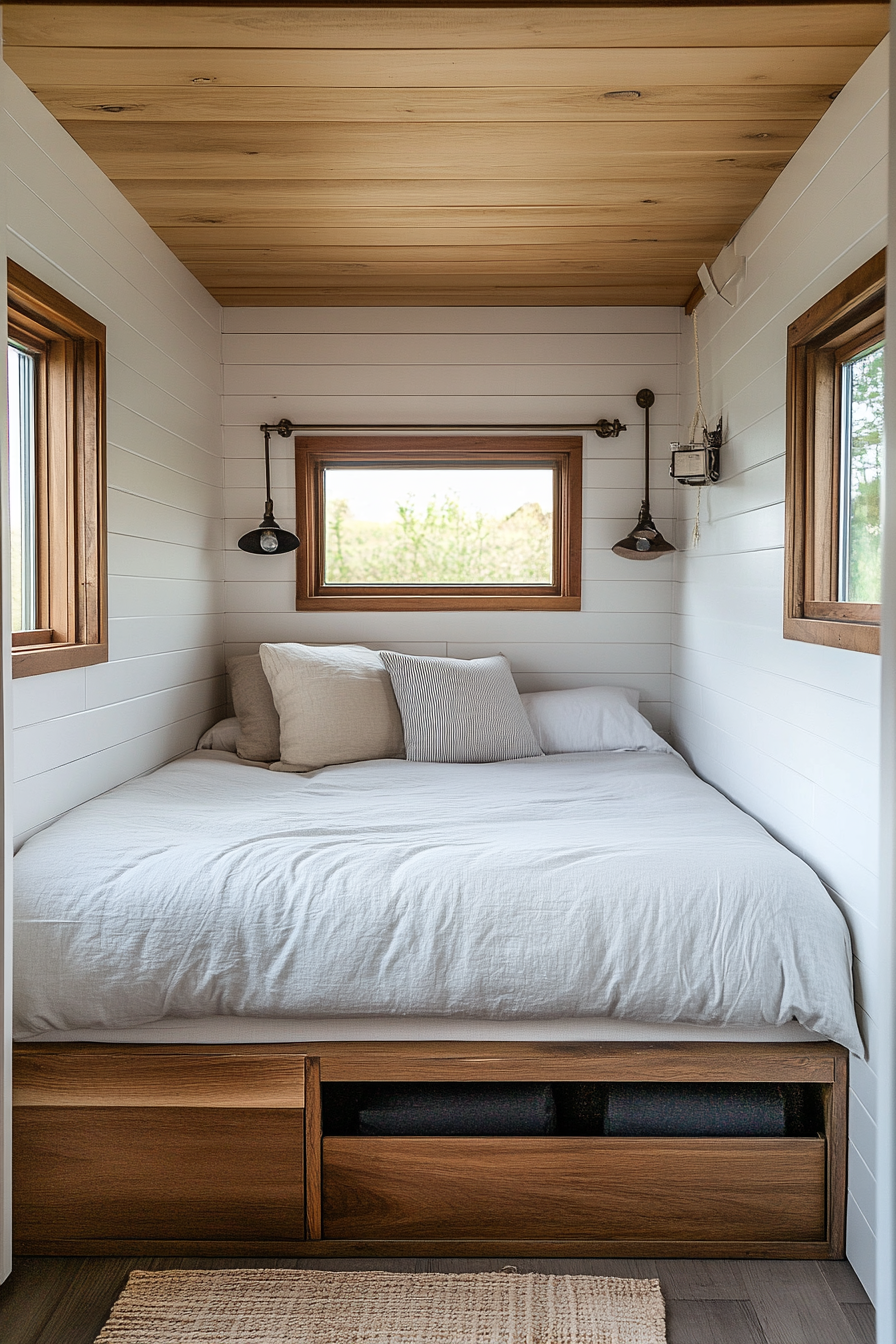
x: 590, y: 1188
x: 134, y: 1172
x: 153, y: 1145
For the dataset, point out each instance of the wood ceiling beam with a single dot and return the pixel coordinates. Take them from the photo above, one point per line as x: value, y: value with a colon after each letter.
x: 806, y: 102
x: 550, y: 294
x: 454, y: 26
x: 632, y: 68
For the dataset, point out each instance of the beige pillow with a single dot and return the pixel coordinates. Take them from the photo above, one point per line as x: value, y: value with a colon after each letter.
x: 335, y: 704
x: 253, y: 705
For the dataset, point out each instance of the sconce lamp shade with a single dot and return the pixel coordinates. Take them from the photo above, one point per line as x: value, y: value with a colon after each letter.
x: 269, y: 538
x: 645, y: 541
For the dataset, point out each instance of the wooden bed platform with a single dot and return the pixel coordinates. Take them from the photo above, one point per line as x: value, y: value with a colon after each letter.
x: 221, y: 1151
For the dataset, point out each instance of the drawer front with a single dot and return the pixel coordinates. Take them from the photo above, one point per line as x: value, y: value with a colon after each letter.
x: 147, y: 1172
x: 663, y: 1189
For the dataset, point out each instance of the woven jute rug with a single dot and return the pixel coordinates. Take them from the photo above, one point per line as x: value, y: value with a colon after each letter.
x: 283, y: 1306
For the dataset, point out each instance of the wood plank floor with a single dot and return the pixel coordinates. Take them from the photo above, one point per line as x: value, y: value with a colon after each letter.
x: 66, y: 1300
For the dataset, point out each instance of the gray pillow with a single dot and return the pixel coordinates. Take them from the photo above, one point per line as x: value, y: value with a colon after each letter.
x: 461, y: 710
x: 253, y: 705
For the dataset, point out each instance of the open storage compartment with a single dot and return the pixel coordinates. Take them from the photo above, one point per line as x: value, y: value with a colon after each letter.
x: 585, y: 1185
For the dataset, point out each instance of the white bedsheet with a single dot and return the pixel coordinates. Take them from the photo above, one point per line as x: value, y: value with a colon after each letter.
x: 596, y: 885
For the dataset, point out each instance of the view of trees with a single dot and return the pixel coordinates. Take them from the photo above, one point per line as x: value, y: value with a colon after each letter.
x: 439, y: 542
x: 866, y: 394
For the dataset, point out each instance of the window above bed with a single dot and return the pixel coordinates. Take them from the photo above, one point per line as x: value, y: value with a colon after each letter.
x: 834, y: 462
x: 449, y: 523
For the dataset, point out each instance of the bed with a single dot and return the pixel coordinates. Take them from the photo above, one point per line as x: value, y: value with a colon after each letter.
x: 582, y: 915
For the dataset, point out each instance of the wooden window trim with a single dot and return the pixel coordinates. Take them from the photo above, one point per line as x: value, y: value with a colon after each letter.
x: 70, y: 478
x: 562, y: 451
x: 834, y: 329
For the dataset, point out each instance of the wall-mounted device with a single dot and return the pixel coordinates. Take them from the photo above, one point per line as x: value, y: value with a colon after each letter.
x: 698, y: 463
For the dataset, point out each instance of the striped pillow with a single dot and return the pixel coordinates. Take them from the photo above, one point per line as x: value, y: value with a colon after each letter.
x: 461, y: 710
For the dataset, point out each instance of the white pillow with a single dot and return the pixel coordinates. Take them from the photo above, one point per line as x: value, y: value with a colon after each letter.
x: 221, y: 736
x: 335, y: 705
x: 590, y: 718
x: 461, y: 710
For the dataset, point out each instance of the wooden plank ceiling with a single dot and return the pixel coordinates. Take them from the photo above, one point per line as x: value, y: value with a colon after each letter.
x: 414, y: 154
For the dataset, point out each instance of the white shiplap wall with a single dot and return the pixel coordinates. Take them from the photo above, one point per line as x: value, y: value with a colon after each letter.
x: 477, y: 366
x: 80, y: 732
x: 788, y: 730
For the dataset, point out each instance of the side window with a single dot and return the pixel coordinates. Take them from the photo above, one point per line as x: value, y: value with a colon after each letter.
x: 835, y: 447
x: 57, y: 462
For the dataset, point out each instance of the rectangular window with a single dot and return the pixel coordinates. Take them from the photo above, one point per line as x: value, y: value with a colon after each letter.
x: 439, y: 524
x: 56, y: 415
x: 834, y: 462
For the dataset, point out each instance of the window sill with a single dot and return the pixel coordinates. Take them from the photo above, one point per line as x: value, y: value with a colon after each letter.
x: 858, y: 636
x: 435, y: 602
x: 35, y: 659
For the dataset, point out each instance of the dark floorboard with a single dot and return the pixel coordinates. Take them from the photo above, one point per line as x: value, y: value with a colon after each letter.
x: 65, y: 1300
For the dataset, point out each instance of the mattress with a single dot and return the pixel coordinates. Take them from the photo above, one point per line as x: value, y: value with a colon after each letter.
x: 573, y: 889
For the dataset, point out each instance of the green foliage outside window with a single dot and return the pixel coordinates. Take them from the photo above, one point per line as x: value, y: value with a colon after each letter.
x: 439, y: 542
x: 863, y: 415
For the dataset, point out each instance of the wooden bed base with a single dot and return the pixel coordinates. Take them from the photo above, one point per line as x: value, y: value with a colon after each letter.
x: 219, y: 1151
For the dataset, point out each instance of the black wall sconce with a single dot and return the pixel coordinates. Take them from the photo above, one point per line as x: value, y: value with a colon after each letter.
x: 645, y: 541
x: 269, y: 538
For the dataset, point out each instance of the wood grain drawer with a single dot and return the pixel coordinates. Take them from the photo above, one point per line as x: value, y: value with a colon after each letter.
x: 593, y: 1188
x: 135, y: 1172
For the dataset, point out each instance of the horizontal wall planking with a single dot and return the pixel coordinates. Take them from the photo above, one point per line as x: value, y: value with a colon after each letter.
x: 137, y: 475
x: 141, y: 558
x: 132, y: 678
x: 142, y: 636
x: 111, y: 263
x: 715, y: 602
x: 454, y: 380
x: 862, y: 1184
x: 272, y: 351
x: 543, y: 627
x: 757, y: 487
x: 191, y: 456
x: 766, y: 441
x: 863, y: 1082
x: 477, y: 412
x: 142, y: 596
x: 839, y: 671
x: 758, y: 569
x: 863, y: 1131
x: 44, y: 797
x: 133, y: 515
x: 52, y: 695
x: 861, y: 1246
x: 547, y: 658
x: 49, y: 746
x: 842, y: 774
x: 444, y: 322
x: 783, y: 802
x: 762, y: 528
x: 156, y: 404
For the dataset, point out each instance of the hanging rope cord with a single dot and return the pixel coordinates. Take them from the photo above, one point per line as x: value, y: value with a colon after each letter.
x: 698, y: 422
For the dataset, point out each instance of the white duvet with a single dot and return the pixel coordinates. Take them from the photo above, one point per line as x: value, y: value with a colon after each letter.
x: 594, y: 885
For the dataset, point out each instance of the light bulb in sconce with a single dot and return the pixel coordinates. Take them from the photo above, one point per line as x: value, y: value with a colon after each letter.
x: 268, y: 542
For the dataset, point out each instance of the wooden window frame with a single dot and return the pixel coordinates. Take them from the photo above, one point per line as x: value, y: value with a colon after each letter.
x: 562, y: 452
x: 833, y: 330
x: 70, y: 478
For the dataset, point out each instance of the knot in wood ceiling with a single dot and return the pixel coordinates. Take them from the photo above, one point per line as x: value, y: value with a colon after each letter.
x: 432, y: 154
